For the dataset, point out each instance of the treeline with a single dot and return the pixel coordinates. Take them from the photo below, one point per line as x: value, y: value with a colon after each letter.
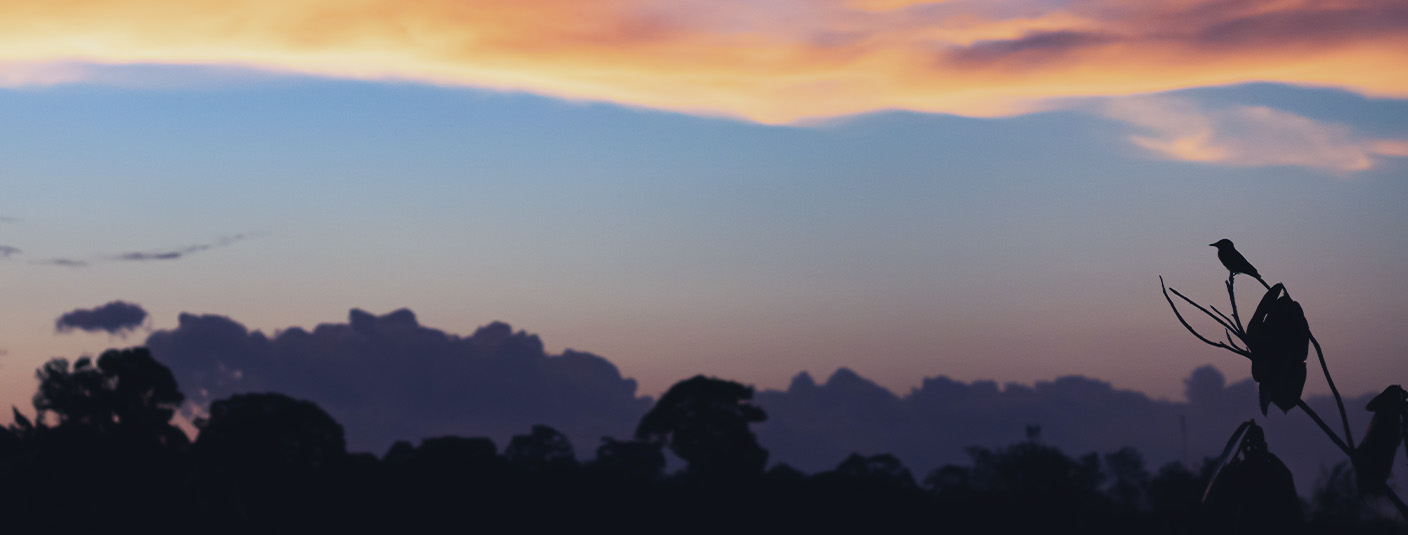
x: 102, y: 454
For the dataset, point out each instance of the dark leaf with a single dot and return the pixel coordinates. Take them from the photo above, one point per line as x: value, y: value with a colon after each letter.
x: 1254, y: 491
x: 1278, y: 338
x: 1373, y: 458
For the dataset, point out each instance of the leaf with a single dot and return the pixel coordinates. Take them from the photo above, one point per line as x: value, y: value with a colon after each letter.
x: 1233, y: 444
x: 1254, y: 492
x: 1278, y: 338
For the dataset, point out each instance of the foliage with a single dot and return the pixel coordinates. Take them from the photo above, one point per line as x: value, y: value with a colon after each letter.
x: 1253, y: 489
x: 705, y: 422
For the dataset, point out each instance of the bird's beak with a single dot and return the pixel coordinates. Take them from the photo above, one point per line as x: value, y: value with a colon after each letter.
x: 1212, y: 245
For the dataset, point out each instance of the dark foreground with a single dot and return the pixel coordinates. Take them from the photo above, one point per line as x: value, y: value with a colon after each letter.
x: 103, y: 456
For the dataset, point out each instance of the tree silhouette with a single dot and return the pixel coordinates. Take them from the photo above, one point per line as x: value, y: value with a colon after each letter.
x: 705, y: 422
x: 269, y: 431
x: 543, y: 448
x: 127, y: 391
x: 628, y: 460
x: 126, y: 386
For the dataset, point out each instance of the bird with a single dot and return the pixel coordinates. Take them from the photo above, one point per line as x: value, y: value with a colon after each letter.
x: 1234, y: 261
x: 1374, y: 456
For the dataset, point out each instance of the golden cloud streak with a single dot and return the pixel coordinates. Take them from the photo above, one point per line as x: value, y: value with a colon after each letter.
x: 773, y: 61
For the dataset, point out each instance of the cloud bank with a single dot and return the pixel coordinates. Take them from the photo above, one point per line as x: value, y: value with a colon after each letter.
x: 812, y: 426
x: 116, y: 317
x: 772, y: 61
x: 387, y: 378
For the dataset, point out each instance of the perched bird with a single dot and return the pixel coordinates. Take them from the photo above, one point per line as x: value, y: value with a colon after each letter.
x: 1374, y: 456
x: 1234, y: 261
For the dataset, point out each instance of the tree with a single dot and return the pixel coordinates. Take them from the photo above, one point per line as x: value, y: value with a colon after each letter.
x: 126, y: 389
x: 270, y: 431
x: 628, y: 460
x: 543, y: 448
x: 705, y: 422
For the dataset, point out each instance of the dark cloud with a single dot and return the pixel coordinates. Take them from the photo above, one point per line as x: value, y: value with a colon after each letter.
x: 142, y: 256
x: 1311, y: 28
x: 173, y: 254
x: 65, y: 262
x: 116, y: 317
x: 387, y: 378
x: 6, y: 251
x: 1030, y: 49
x: 811, y: 426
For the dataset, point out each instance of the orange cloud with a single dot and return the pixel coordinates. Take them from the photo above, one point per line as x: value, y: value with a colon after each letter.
x: 1247, y: 135
x: 772, y: 61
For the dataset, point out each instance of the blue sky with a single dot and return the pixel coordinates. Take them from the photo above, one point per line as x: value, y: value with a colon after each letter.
x: 900, y: 244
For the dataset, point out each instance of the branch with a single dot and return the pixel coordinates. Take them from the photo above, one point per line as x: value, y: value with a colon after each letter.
x: 1232, y: 298
x: 1231, y: 342
x: 1333, y: 437
x: 1205, y: 311
x: 1190, y: 328
x: 1229, y: 320
x: 1348, y: 436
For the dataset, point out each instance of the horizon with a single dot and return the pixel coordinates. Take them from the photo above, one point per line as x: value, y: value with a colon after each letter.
x: 137, y: 337
x: 913, y: 226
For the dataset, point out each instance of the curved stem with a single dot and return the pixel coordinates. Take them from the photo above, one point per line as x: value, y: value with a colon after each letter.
x: 1344, y: 418
x: 1333, y: 437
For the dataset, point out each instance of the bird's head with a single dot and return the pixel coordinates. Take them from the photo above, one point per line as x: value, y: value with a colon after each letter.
x: 1221, y: 243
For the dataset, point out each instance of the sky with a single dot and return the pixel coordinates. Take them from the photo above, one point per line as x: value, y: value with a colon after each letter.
x: 978, y: 189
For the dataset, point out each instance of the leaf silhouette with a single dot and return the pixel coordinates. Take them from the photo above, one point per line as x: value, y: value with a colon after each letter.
x: 1278, y: 338
x: 1253, y: 490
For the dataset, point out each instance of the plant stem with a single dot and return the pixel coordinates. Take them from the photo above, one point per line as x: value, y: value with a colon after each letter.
x: 1232, y: 298
x: 1333, y: 437
x: 1344, y: 418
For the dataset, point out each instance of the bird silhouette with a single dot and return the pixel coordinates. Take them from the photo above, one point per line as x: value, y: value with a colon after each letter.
x: 1374, y: 456
x: 1235, y: 262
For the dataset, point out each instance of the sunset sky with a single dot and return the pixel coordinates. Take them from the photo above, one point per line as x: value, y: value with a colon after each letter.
x: 985, y: 189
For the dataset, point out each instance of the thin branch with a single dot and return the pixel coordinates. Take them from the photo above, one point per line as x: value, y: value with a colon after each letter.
x: 1333, y: 437
x: 1234, y: 330
x: 1205, y: 311
x: 1231, y: 342
x: 1232, y: 298
x: 1190, y: 328
x: 1344, y: 418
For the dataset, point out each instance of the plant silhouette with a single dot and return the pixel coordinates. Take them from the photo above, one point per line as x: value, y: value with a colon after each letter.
x: 1253, y: 487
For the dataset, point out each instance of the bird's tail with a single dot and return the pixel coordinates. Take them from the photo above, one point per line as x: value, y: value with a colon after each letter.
x: 1263, y: 282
